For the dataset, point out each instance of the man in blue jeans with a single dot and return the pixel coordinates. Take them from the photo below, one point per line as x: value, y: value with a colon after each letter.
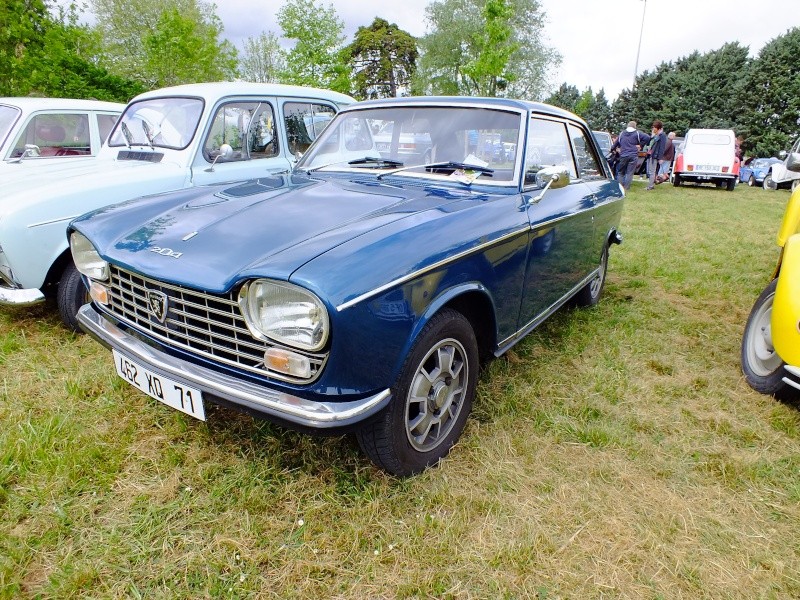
x: 655, y: 155
x: 629, y: 143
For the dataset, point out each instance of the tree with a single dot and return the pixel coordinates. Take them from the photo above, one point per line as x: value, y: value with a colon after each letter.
x: 770, y: 97
x: 484, y: 47
x: 263, y: 59
x: 45, y: 51
x: 157, y: 41
x: 566, y: 97
x: 383, y: 59
x: 315, y: 58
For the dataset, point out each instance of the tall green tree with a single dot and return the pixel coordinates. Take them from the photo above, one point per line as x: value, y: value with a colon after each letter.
x: 45, y: 51
x: 317, y: 32
x: 769, y: 100
x: 164, y: 42
x: 484, y: 47
x: 383, y: 59
x: 566, y: 96
x: 262, y: 59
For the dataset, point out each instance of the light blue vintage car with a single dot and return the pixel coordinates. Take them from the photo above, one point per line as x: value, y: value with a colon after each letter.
x: 168, y: 139
x: 361, y: 291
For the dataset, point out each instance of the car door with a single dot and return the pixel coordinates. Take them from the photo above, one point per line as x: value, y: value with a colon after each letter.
x: 560, y: 222
x: 242, y: 141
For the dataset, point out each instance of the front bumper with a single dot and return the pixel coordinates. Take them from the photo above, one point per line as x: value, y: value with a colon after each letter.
x: 795, y: 383
x: 253, y: 398
x: 19, y: 296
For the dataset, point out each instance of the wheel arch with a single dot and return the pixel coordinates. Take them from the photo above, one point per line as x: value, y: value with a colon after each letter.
x: 50, y: 285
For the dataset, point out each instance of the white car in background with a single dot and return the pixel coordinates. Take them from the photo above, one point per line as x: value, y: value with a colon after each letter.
x: 48, y: 131
x: 169, y: 139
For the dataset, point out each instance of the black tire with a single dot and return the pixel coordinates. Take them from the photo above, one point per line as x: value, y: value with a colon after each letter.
x: 676, y: 180
x: 591, y: 292
x: 752, y: 181
x: 432, y: 399
x: 761, y: 365
x: 72, y: 294
x: 731, y: 185
x: 769, y: 183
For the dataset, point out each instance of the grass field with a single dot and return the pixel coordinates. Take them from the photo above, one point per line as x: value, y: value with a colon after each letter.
x: 615, y: 453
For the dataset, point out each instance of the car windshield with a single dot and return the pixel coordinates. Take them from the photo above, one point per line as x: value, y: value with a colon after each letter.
x: 158, y: 122
x: 8, y: 116
x: 414, y: 140
x: 760, y: 163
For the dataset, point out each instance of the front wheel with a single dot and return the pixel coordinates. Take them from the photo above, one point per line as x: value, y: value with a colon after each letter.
x: 752, y: 181
x: 761, y: 365
x: 769, y: 183
x: 432, y: 399
x: 72, y: 294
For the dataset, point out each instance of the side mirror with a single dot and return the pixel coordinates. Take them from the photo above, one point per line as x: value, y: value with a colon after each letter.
x: 782, y: 154
x: 555, y: 177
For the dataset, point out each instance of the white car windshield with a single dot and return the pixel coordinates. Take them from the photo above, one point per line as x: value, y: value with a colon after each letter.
x: 158, y: 122
x: 430, y: 141
x: 8, y: 116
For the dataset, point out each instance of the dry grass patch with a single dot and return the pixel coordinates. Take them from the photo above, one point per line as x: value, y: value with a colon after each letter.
x: 614, y: 453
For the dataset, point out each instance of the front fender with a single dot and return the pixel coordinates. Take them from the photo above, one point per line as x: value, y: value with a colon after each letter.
x: 785, y: 320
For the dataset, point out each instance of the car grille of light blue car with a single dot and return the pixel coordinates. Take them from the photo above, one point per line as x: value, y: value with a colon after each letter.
x: 209, y: 325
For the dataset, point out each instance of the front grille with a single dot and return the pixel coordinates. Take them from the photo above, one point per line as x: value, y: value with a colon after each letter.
x: 205, y: 324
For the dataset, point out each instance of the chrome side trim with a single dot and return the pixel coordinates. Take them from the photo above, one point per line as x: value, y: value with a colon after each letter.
x: 429, y: 268
x: 503, y: 346
x: 270, y: 402
x: 795, y: 383
x: 51, y: 221
x: 20, y: 297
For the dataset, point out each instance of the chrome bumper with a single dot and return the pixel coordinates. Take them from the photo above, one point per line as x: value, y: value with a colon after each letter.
x: 795, y: 383
x: 20, y: 297
x: 307, y: 413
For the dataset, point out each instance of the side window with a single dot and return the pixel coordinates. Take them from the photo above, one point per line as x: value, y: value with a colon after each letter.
x: 547, y: 146
x: 304, y: 122
x: 55, y: 135
x: 246, y: 130
x: 588, y: 166
x: 106, y: 123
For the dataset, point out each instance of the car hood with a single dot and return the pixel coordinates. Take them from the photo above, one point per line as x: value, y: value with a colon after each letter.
x: 214, y: 237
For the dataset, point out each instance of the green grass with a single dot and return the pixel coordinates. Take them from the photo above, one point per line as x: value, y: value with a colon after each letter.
x: 614, y: 453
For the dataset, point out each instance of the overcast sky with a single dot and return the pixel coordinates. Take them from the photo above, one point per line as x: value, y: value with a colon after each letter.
x: 597, y: 39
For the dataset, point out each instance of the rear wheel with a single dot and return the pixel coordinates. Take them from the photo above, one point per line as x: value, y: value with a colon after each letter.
x: 591, y: 292
x: 432, y: 399
x: 676, y: 180
x: 731, y: 185
x: 769, y: 183
x: 71, y: 295
x: 761, y: 365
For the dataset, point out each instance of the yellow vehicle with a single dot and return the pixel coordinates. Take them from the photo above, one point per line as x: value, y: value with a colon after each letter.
x: 771, y: 341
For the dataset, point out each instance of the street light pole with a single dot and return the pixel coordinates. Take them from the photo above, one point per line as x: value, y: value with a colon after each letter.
x: 639, y: 49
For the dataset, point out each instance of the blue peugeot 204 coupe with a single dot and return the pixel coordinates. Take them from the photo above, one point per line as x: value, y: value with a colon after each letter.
x: 361, y: 291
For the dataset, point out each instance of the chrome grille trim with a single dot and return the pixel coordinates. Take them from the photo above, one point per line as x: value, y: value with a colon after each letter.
x: 209, y: 325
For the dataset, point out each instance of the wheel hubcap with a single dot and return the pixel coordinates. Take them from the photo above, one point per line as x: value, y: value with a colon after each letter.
x: 436, y: 396
x: 763, y: 358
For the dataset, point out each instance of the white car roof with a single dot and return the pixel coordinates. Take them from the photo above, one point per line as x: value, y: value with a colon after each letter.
x: 221, y: 89
x: 28, y: 104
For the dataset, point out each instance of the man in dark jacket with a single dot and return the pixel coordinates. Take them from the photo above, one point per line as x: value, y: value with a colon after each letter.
x: 656, y: 153
x: 628, y: 143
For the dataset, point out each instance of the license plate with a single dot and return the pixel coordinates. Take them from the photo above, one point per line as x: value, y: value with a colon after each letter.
x: 708, y: 168
x: 177, y: 395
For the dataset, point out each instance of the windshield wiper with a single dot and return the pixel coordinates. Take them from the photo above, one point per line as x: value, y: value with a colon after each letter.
x: 376, y: 160
x: 127, y: 133
x: 443, y: 165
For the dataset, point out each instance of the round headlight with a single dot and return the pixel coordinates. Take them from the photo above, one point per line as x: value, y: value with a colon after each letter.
x: 86, y: 258
x: 284, y: 313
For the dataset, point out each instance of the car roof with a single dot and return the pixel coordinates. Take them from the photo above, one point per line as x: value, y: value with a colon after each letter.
x: 29, y: 104
x: 536, y: 107
x: 221, y: 89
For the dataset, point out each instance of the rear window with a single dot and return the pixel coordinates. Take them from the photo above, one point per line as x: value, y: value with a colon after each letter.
x: 713, y: 139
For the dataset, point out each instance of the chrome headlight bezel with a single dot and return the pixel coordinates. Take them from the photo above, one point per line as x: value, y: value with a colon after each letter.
x: 86, y: 258
x: 264, y: 299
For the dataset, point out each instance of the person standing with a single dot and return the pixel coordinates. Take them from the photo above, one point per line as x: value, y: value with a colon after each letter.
x: 628, y: 144
x: 666, y: 159
x: 656, y: 153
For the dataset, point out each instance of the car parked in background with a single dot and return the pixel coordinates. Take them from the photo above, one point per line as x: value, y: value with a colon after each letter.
x: 362, y: 292
x: 52, y: 130
x: 707, y: 156
x: 780, y: 176
x: 755, y: 170
x: 168, y: 139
